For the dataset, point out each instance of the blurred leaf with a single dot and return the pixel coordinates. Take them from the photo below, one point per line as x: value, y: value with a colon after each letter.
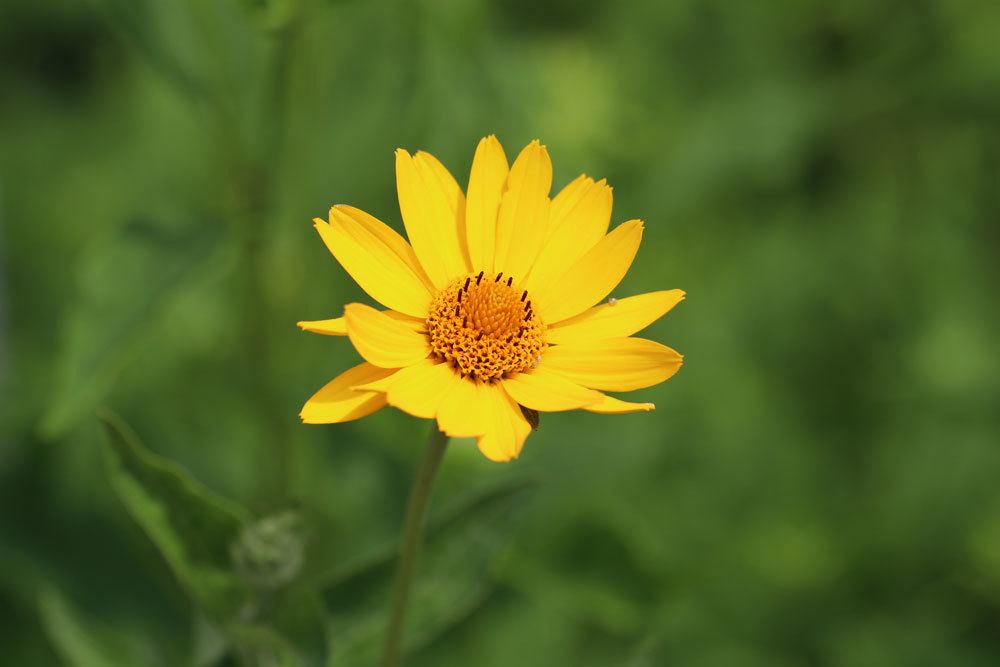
x: 127, y: 285
x: 454, y: 577
x: 134, y: 20
x: 191, y: 526
x: 78, y: 641
x: 210, y: 645
x: 253, y: 644
x: 260, y: 646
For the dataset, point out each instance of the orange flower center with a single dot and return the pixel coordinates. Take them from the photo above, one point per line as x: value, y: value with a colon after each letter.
x: 485, y: 327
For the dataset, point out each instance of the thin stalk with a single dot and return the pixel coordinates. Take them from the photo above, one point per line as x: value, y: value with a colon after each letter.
x: 258, y: 172
x: 410, y: 543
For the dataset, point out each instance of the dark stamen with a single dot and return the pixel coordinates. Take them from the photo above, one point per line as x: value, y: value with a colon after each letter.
x: 466, y: 288
x: 497, y: 279
x: 527, y: 306
x: 479, y: 277
x: 460, y: 296
x: 510, y: 279
x: 524, y: 295
x: 456, y: 310
x: 465, y: 321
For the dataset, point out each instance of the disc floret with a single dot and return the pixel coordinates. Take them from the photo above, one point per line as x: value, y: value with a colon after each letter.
x: 486, y: 327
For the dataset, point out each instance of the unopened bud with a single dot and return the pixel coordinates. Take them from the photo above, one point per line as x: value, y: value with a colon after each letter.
x: 269, y: 551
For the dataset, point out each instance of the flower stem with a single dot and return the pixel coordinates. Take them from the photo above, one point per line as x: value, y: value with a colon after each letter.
x: 410, y: 542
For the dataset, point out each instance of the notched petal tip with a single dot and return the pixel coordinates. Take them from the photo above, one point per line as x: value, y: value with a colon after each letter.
x: 342, y: 209
x: 489, y: 140
x: 537, y: 145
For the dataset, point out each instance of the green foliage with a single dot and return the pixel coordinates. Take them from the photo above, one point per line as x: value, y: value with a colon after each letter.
x: 818, y: 484
x: 456, y: 575
x: 268, y: 554
x: 192, y: 527
x: 107, y: 329
x: 78, y: 642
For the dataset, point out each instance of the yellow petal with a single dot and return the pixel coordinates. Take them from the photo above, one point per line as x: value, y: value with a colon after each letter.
x: 380, y: 385
x: 419, y: 389
x: 593, y: 276
x: 446, y: 182
x: 338, y: 325
x: 621, y: 317
x: 487, y: 181
x: 427, y: 204
x: 506, y: 427
x: 464, y: 411
x: 545, y: 391
x: 356, y: 221
x: 417, y: 324
x: 613, y: 364
x: 578, y: 220
x: 374, y: 265
x: 581, y: 211
x: 524, y: 212
x: 382, y: 340
x: 337, y: 402
x: 335, y: 327
x: 610, y: 405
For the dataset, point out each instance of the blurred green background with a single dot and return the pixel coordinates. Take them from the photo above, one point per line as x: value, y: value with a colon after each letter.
x: 819, y: 485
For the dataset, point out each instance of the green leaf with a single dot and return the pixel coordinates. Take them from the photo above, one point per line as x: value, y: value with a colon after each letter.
x: 191, y: 526
x: 77, y: 639
x: 125, y: 288
x: 243, y: 643
x: 261, y: 645
x: 454, y: 578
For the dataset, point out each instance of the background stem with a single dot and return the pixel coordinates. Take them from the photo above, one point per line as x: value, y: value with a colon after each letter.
x: 258, y: 171
x: 410, y: 543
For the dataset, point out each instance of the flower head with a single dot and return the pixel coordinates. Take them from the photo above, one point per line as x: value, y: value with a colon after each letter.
x: 491, y: 313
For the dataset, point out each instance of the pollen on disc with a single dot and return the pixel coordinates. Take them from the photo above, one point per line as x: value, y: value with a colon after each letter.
x: 486, y: 327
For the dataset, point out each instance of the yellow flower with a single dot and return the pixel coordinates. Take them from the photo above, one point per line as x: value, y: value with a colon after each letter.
x: 491, y: 305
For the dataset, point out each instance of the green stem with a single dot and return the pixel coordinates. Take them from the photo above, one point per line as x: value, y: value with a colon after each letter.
x: 409, y: 548
x: 258, y: 169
